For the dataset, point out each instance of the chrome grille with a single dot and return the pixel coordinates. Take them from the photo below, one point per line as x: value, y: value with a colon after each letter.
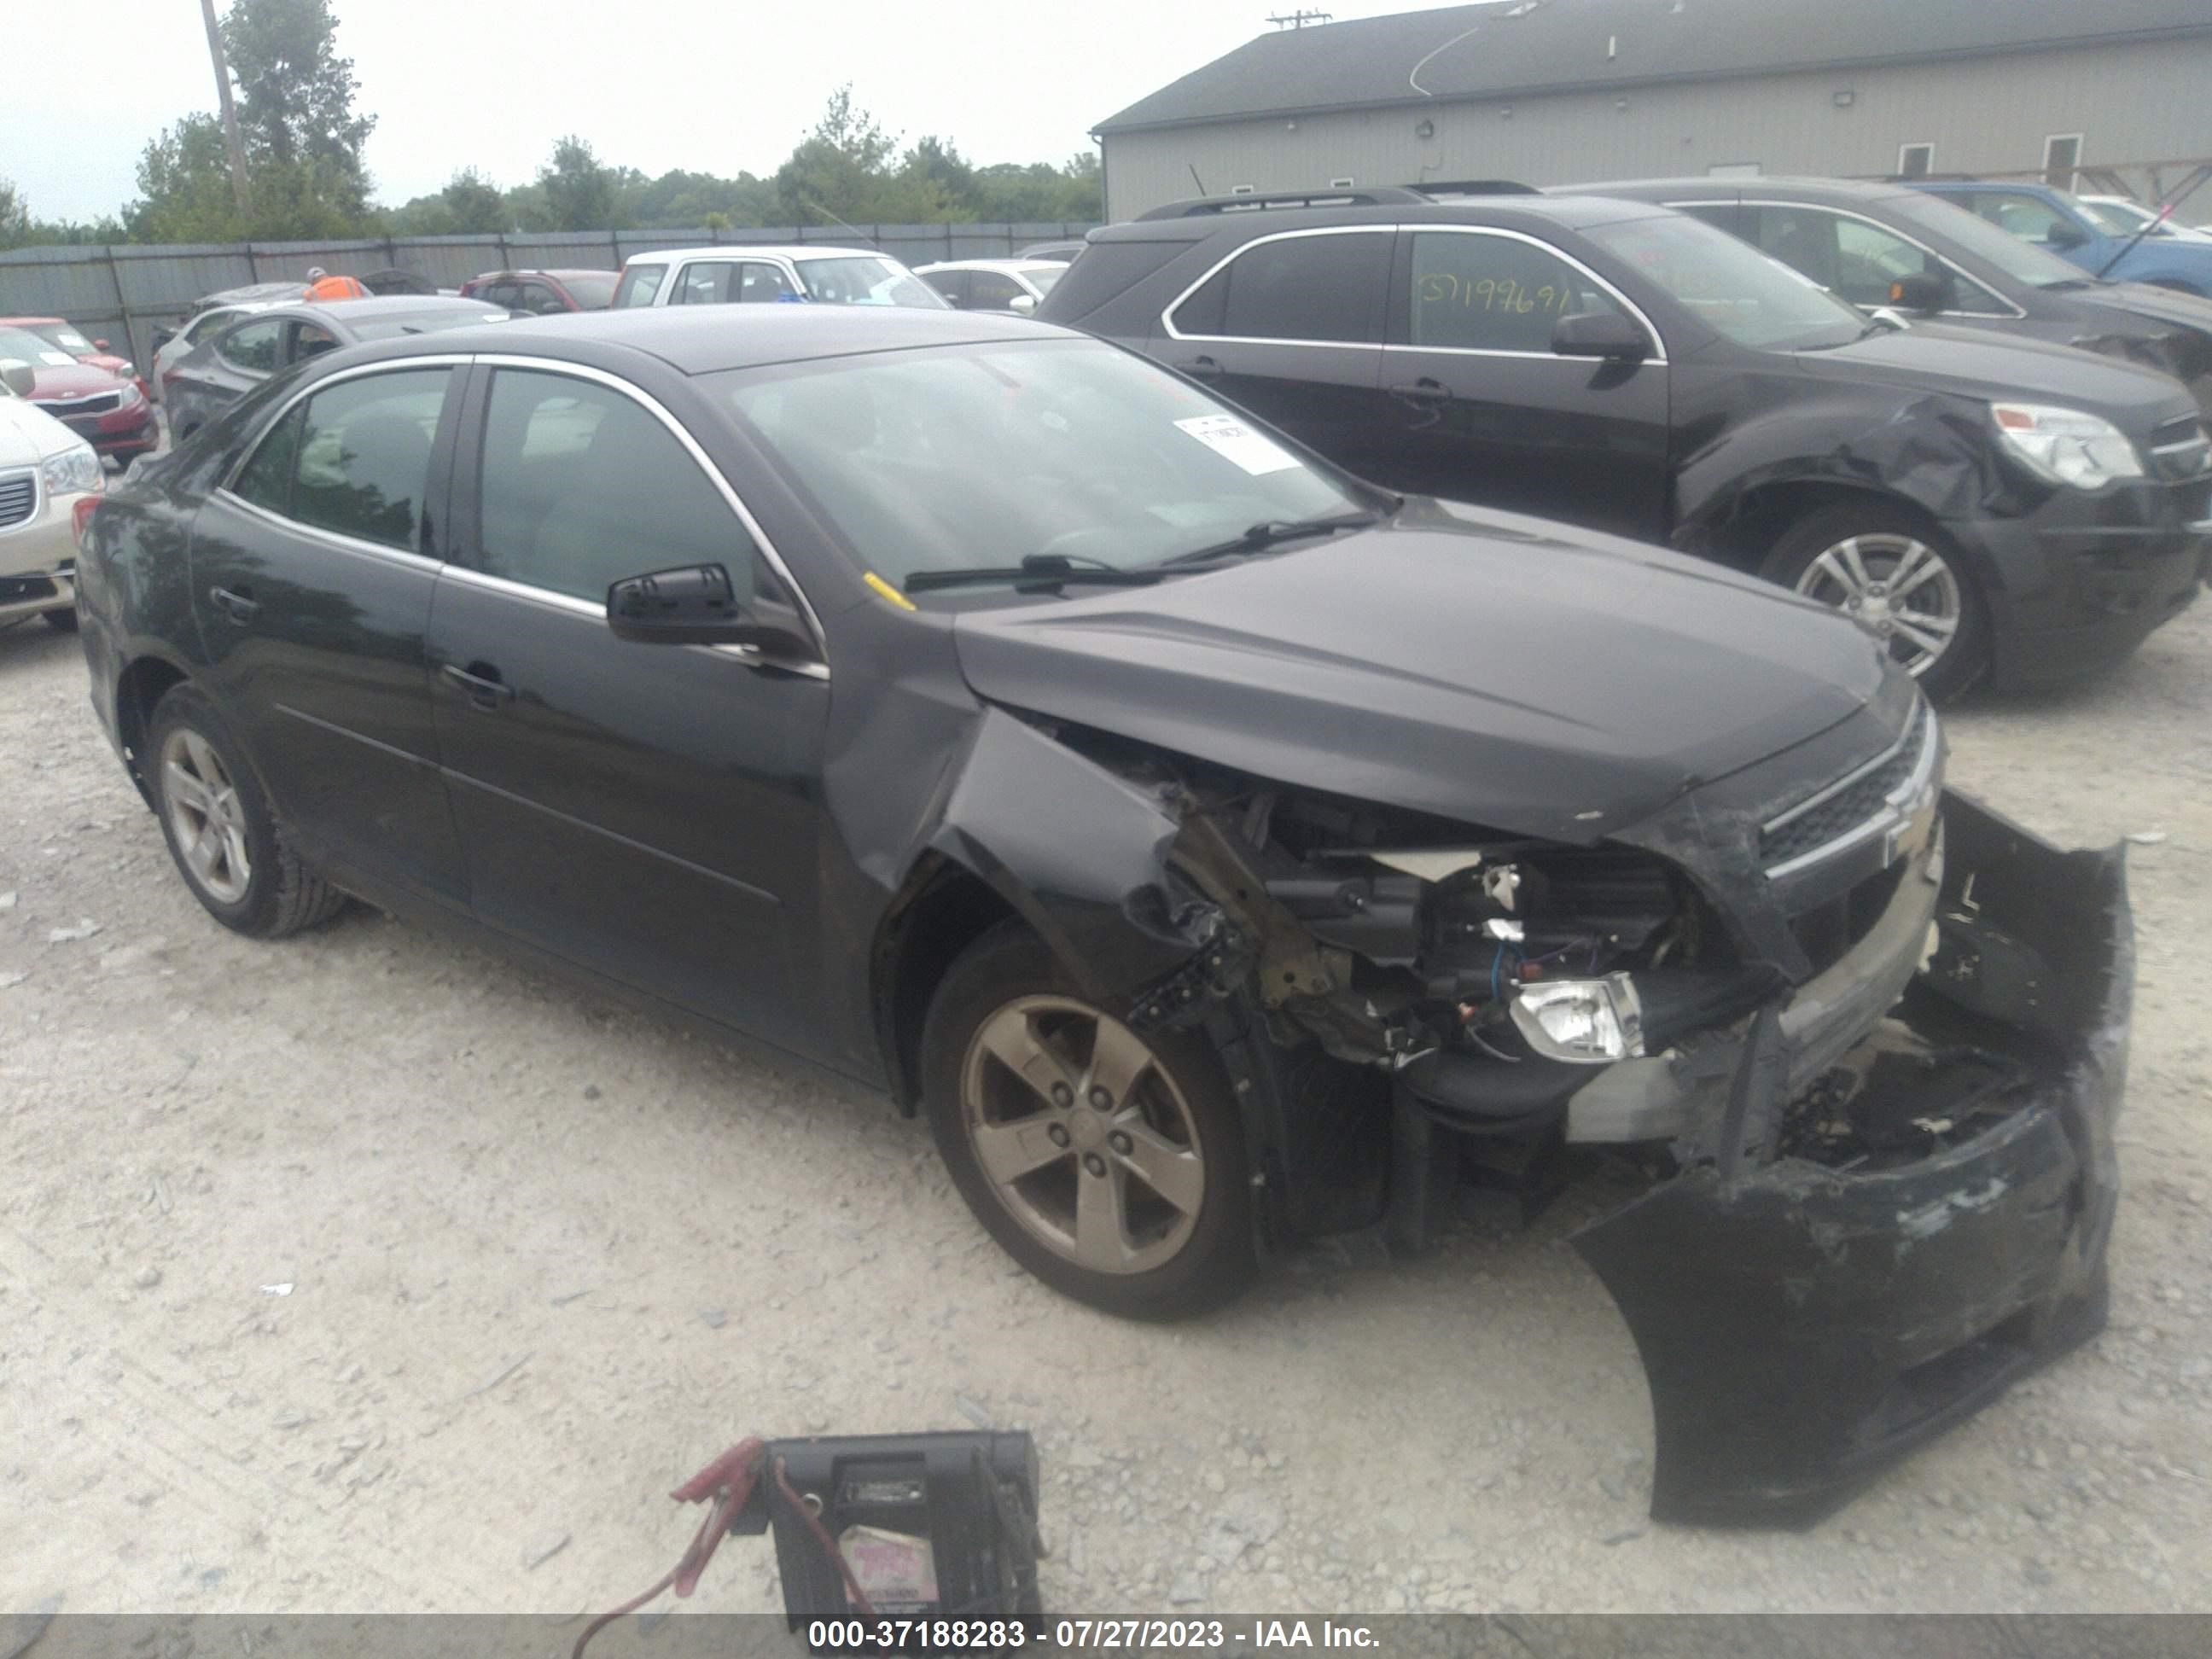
x: 99, y: 404
x: 19, y: 497
x: 1854, y: 807
x: 2181, y: 453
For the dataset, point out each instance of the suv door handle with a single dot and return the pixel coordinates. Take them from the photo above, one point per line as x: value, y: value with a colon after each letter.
x: 1423, y: 391
x: 1204, y: 368
x: 240, y: 606
x: 481, y: 682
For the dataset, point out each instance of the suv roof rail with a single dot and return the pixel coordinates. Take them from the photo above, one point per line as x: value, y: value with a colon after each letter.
x: 1943, y: 178
x: 1372, y: 196
x: 1474, y: 187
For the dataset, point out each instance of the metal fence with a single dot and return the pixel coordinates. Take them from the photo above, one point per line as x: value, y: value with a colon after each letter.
x: 123, y: 293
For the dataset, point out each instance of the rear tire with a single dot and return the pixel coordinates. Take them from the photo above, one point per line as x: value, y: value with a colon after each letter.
x: 62, y: 621
x: 1904, y: 582
x: 229, y: 845
x: 1117, y: 1172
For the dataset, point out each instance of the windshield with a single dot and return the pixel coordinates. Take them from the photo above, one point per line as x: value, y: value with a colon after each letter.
x: 20, y: 345
x: 66, y: 338
x: 590, y: 290
x: 974, y: 456
x: 865, y: 280
x: 423, y: 322
x: 1752, y: 299
x: 2023, y: 262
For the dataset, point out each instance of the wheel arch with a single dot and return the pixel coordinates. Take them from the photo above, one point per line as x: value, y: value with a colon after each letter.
x: 942, y: 908
x: 144, y: 681
x: 1741, y: 531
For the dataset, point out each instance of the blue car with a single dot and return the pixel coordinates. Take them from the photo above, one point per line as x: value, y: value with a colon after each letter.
x: 2053, y: 219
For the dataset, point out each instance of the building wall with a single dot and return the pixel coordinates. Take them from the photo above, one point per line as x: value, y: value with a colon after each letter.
x: 2131, y: 103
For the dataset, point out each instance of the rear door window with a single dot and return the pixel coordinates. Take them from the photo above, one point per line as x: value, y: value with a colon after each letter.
x: 760, y: 282
x: 1483, y: 291
x: 1327, y: 286
x: 354, y: 459
x: 952, y: 285
x: 2028, y: 217
x: 254, y: 346
x: 638, y: 284
x: 704, y: 282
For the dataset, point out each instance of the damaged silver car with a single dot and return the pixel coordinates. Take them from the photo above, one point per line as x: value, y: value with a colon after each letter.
x: 1218, y: 851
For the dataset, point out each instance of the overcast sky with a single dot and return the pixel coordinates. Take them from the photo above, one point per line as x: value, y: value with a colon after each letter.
x: 708, y: 85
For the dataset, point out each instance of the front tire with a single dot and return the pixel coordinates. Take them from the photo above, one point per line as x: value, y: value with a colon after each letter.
x: 1110, y: 1163
x: 1902, y: 581
x: 227, y: 844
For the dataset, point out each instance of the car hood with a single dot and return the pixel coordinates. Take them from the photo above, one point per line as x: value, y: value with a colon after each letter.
x: 2147, y: 300
x: 1497, y: 670
x: 1975, y: 363
x: 72, y: 380
x: 28, y: 433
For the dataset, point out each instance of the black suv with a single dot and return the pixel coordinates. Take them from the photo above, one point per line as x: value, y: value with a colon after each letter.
x: 1976, y: 503
x: 1890, y: 245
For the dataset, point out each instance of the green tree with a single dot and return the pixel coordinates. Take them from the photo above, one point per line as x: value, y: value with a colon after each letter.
x: 184, y: 187
x: 841, y: 171
x: 473, y: 205
x: 14, y: 216
x: 296, y: 103
x: 579, y: 192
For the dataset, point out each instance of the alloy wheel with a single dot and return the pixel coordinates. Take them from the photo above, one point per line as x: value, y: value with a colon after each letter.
x: 1083, y: 1134
x: 1895, y: 587
x: 206, y: 817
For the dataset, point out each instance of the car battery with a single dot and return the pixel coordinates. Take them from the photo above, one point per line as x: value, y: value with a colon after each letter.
x: 932, y: 1526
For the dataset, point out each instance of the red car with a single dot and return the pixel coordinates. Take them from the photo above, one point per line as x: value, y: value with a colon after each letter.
x: 543, y: 292
x: 108, y: 410
x: 66, y: 336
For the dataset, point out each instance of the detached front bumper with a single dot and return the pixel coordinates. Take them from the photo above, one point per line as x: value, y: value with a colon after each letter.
x: 1839, y: 1274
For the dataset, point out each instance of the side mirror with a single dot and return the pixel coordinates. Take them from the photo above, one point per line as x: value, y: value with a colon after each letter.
x: 1922, y: 291
x: 1021, y: 304
x: 694, y: 605
x: 1599, y: 334
x: 162, y: 337
x: 2064, y: 235
x: 19, y: 377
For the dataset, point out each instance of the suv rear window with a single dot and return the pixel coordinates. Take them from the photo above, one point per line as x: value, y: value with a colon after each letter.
x: 638, y: 284
x: 1298, y: 288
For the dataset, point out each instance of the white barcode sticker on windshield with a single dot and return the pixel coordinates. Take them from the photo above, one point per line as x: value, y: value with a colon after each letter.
x: 1230, y: 438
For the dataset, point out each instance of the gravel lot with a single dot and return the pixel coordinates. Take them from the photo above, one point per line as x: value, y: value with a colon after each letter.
x: 368, y: 1272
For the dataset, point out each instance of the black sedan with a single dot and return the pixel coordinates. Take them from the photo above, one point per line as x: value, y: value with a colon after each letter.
x: 1889, y: 244
x: 220, y: 369
x: 1215, y: 847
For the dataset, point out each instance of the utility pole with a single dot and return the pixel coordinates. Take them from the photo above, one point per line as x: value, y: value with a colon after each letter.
x: 231, y: 142
x: 1298, y: 20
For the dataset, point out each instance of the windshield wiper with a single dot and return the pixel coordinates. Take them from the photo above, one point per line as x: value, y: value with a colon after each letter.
x: 1037, y: 570
x: 1267, y: 534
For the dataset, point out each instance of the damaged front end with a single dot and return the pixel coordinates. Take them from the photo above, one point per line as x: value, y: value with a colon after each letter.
x: 1839, y: 1272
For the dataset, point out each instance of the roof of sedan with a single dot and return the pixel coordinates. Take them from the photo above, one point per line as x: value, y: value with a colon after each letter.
x: 742, y: 250
x: 707, y: 339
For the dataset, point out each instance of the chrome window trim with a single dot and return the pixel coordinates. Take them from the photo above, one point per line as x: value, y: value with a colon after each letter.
x: 700, y: 458
x: 337, y: 539
x: 1896, y: 807
x: 299, y: 394
x: 585, y: 611
x: 2016, y: 313
x: 1168, y: 311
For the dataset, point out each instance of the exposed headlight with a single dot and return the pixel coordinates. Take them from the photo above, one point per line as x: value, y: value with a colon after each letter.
x: 71, y: 471
x: 129, y: 392
x: 2067, y: 446
x: 128, y: 371
x: 1591, y: 1021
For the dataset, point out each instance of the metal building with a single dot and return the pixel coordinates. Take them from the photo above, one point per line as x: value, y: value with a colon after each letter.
x: 1560, y: 91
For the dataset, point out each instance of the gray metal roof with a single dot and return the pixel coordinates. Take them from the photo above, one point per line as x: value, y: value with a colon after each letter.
x: 1509, y: 48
